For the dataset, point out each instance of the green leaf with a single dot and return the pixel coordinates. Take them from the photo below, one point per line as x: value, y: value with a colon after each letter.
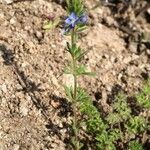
x: 69, y: 69
x: 81, y: 28
x: 76, y: 144
x: 81, y: 70
x: 115, y: 134
x: 113, y: 118
x: 136, y: 124
x: 69, y: 92
x: 143, y: 97
x: 82, y: 95
x: 51, y: 24
x: 135, y: 145
x: 74, y: 51
x: 48, y: 25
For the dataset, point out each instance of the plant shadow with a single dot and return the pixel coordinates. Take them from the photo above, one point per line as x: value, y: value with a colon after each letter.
x: 32, y: 88
x: 28, y: 87
x: 63, y: 106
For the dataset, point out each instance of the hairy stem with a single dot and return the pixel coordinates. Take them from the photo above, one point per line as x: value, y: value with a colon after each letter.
x: 74, y: 93
x: 74, y: 65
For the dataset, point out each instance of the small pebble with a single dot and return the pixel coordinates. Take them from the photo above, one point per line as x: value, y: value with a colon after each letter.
x: 16, y: 147
x: 8, y: 1
x: 148, y: 11
x: 13, y: 20
x: 39, y: 35
x: 3, y: 88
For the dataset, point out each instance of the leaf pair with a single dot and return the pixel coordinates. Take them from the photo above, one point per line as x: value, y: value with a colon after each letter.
x: 76, y: 52
x: 78, y: 70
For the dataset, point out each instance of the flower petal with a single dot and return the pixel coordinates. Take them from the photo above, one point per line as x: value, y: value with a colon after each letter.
x: 73, y: 16
x: 68, y: 21
x: 73, y: 24
x: 83, y: 19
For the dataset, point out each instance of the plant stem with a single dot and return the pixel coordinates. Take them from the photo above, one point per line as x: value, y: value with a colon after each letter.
x: 122, y: 146
x: 74, y: 93
x: 73, y: 37
x: 74, y: 64
x: 144, y: 134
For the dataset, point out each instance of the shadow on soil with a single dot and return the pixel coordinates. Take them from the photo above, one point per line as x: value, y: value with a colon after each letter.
x: 31, y: 88
x: 64, y: 106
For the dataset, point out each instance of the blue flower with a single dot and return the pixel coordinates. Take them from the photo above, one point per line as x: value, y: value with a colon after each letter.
x: 83, y: 19
x: 73, y: 20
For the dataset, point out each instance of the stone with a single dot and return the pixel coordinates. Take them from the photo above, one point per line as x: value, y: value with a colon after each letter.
x: 133, y: 47
x: 13, y: 20
x: 24, y: 111
x: 2, y: 15
x: 39, y: 35
x: 148, y: 11
x: 24, y: 108
x: 127, y: 59
x: 3, y: 87
x: 7, y: 1
x: 16, y: 147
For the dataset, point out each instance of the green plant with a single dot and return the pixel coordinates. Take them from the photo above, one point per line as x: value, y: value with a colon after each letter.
x: 95, y: 125
x: 129, y: 125
x: 74, y: 24
x: 120, y: 114
x: 143, y: 99
x: 135, y: 145
x: 136, y: 124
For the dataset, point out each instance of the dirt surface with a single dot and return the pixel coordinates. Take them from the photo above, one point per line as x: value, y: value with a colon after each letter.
x: 34, y: 114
